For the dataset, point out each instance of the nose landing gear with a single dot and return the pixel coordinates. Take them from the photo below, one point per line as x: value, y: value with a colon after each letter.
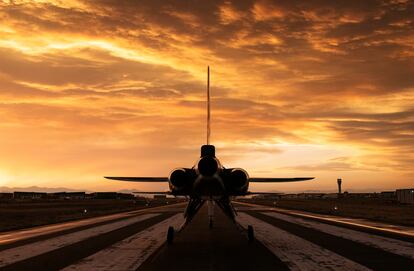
x: 210, y: 205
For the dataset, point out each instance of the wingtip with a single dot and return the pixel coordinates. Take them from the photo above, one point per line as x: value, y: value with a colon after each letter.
x: 307, y: 178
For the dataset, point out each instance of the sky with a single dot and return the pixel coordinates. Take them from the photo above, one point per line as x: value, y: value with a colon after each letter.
x: 299, y: 88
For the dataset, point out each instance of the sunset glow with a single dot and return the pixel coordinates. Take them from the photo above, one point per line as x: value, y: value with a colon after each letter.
x: 94, y: 88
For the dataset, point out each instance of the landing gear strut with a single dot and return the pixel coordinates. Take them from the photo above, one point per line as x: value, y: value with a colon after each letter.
x: 210, y: 213
x: 170, y: 235
x: 192, y: 208
x: 250, y: 233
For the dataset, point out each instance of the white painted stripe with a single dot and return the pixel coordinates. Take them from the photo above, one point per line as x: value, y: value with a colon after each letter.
x: 387, y: 244
x: 359, y: 222
x: 131, y: 252
x: 297, y: 253
x: 13, y: 236
x: 16, y: 235
x: 20, y: 253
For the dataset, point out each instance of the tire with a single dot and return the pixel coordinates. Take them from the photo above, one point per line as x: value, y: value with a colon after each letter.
x: 210, y: 224
x: 250, y: 233
x: 170, y: 235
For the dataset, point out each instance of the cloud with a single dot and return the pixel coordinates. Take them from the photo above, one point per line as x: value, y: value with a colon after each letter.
x: 102, y: 77
x: 337, y: 164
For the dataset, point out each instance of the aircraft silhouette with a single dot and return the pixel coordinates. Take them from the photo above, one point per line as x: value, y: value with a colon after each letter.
x: 208, y: 180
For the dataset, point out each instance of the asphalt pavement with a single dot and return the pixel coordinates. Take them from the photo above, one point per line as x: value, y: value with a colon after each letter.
x: 284, y: 240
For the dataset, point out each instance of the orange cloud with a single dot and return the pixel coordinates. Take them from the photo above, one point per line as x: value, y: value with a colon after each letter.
x: 118, y: 87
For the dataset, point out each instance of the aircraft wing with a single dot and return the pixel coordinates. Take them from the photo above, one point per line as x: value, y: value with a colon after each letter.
x: 140, y: 179
x: 279, y: 180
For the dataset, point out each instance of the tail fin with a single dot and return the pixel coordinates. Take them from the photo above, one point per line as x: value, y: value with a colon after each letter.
x: 208, y: 105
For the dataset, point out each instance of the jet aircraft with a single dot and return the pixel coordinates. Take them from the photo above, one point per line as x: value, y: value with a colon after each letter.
x: 208, y: 180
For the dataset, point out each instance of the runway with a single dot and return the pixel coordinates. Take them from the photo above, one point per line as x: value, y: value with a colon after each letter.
x: 285, y: 240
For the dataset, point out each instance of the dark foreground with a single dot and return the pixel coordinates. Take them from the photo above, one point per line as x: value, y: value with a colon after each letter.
x: 137, y: 241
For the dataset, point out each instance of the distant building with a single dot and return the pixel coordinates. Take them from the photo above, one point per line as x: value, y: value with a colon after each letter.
x: 90, y: 196
x: 310, y: 195
x: 68, y: 195
x: 29, y: 195
x: 361, y: 195
x: 6, y: 195
x: 112, y: 195
x: 289, y: 196
x: 104, y: 195
x: 387, y: 194
x: 405, y: 195
x: 161, y: 197
x: 331, y: 195
x: 267, y: 197
x: 125, y: 196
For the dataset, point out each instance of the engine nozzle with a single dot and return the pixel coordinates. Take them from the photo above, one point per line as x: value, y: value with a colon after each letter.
x: 178, y: 178
x: 236, y: 181
x: 208, y: 166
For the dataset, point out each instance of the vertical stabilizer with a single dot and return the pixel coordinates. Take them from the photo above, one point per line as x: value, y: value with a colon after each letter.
x: 208, y: 105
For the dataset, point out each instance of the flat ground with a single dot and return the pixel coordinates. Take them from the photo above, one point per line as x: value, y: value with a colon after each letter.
x: 30, y: 213
x: 137, y: 241
x: 376, y: 209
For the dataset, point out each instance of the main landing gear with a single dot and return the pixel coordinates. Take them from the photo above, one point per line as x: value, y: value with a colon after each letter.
x: 170, y: 235
x: 250, y: 233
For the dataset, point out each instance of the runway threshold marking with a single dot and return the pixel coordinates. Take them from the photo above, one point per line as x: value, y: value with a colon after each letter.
x: 363, y: 254
x: 399, y: 247
x: 297, y: 253
x: 131, y: 252
x: 20, y: 253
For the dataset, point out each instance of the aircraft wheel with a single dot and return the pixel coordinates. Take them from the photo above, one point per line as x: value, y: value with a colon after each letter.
x: 210, y: 224
x: 250, y: 233
x: 170, y: 235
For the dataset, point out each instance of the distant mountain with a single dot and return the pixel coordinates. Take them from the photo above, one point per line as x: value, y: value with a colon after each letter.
x: 128, y: 191
x: 55, y: 189
x: 39, y: 189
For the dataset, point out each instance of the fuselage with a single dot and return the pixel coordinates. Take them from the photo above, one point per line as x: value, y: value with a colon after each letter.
x: 208, y: 179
